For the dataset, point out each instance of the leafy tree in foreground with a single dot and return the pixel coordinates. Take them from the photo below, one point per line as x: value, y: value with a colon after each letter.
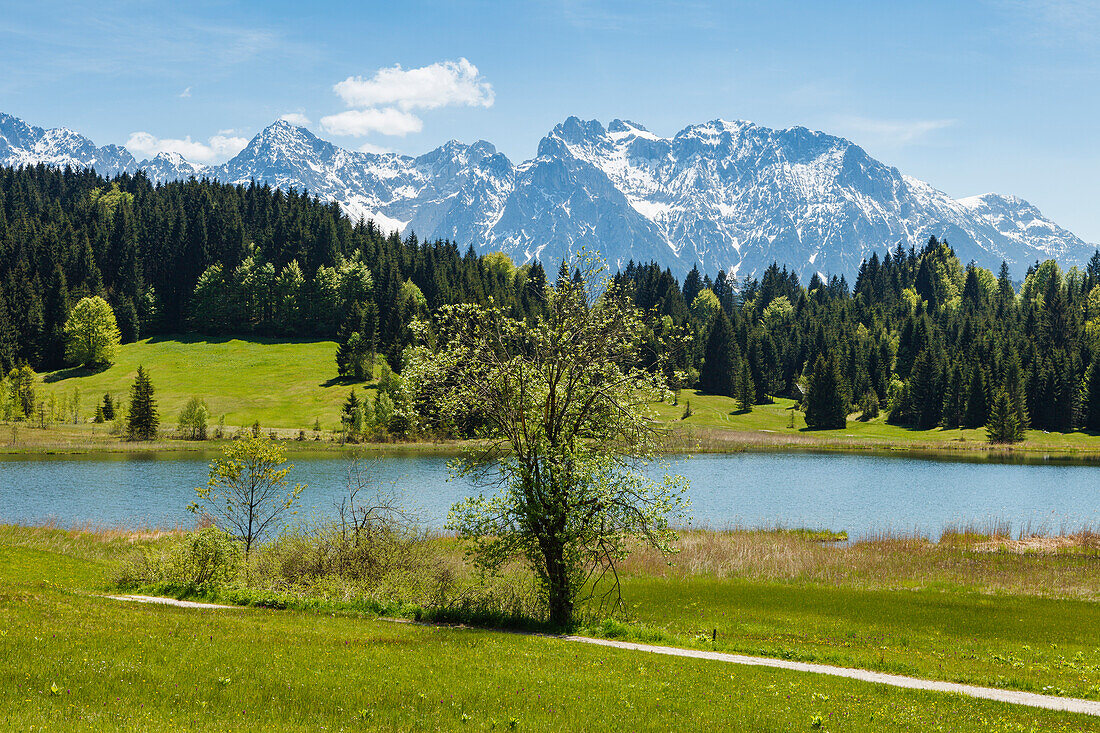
x: 826, y: 403
x: 143, y: 420
x: 92, y: 333
x: 248, y: 492
x: 564, y: 411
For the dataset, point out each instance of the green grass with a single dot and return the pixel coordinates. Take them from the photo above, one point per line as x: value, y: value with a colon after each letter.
x: 79, y: 662
x: 716, y: 424
x: 287, y: 384
x: 1019, y: 642
x: 290, y: 384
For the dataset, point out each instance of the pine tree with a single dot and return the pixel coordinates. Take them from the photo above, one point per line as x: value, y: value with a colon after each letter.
x: 1003, y: 426
x: 826, y: 403
x: 1091, y: 411
x: 746, y: 390
x: 976, y: 409
x: 926, y: 389
x: 351, y: 415
x: 108, y: 407
x: 720, y: 368
x: 143, y: 421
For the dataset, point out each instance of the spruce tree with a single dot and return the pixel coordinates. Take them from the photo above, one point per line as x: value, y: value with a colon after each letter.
x: 1003, y: 426
x: 351, y: 415
x: 976, y: 409
x: 826, y: 404
x: 1091, y: 412
x: 926, y: 389
x: 720, y: 369
x: 143, y: 421
x: 746, y: 389
x: 108, y: 407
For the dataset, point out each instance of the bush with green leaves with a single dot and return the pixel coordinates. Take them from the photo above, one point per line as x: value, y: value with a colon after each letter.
x: 205, y: 557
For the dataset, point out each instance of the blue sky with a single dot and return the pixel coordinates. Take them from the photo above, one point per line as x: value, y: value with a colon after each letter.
x: 989, y: 95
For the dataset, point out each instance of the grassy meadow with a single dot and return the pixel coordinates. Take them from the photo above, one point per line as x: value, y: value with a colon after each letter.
x: 289, y: 385
x: 79, y: 661
x: 283, y: 384
x: 716, y: 425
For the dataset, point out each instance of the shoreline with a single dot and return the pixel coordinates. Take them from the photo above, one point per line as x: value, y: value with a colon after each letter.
x: 682, y: 441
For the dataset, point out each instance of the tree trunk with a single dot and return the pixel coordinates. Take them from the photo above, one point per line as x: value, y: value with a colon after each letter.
x: 559, y: 587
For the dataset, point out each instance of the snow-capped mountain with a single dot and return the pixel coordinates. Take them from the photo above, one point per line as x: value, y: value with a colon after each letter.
x: 731, y: 195
x: 22, y: 144
x: 164, y: 167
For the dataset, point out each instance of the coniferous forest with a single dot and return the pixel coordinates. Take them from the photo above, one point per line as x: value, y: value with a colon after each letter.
x: 928, y: 339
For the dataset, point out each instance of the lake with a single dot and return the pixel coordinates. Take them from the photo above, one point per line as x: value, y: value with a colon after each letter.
x: 857, y: 493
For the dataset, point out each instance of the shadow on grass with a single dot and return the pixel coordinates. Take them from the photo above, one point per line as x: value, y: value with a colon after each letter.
x: 74, y: 373
x: 345, y: 382
x: 250, y: 338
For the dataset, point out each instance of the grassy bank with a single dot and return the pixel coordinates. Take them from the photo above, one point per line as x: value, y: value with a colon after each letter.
x: 283, y: 384
x: 290, y: 385
x: 716, y: 425
x: 28, y: 439
x: 81, y: 662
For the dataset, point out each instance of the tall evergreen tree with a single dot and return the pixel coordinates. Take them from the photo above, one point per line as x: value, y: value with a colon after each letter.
x: 1003, y: 426
x: 721, y: 369
x: 976, y: 403
x: 746, y: 389
x: 826, y: 403
x: 143, y: 420
x: 1091, y: 412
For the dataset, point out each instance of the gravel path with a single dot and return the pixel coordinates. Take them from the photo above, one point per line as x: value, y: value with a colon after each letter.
x: 167, y: 602
x: 1031, y: 699
x: 1050, y: 702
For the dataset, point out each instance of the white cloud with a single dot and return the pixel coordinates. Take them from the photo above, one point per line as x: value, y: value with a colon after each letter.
x: 440, y: 84
x: 295, y: 118
x: 372, y: 148
x: 185, y: 93
x: 384, y: 102
x: 387, y: 121
x: 218, y: 147
x: 896, y: 133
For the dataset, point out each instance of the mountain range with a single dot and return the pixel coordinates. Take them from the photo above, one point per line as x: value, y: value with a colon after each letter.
x: 723, y: 195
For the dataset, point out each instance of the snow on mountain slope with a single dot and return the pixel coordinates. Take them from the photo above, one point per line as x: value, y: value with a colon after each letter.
x: 165, y: 167
x: 22, y: 144
x: 731, y: 195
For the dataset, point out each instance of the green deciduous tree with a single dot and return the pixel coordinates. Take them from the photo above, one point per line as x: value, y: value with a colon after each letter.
x: 21, y: 387
x: 194, y: 419
x: 92, y: 333
x: 564, y: 412
x: 248, y: 492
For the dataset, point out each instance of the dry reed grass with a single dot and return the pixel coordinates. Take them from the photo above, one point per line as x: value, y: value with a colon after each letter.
x: 1058, y: 565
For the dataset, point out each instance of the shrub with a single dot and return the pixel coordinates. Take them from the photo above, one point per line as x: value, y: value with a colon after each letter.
x: 205, y: 557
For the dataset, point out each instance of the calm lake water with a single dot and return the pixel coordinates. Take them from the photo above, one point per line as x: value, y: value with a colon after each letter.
x: 860, y: 494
